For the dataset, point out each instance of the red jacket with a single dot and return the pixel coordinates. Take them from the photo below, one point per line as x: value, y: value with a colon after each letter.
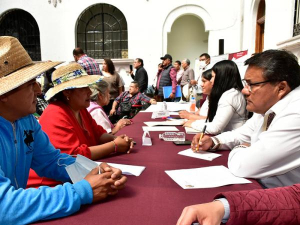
x: 65, y: 133
x: 276, y: 206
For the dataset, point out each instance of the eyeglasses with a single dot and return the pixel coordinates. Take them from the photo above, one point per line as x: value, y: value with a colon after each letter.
x: 249, y: 85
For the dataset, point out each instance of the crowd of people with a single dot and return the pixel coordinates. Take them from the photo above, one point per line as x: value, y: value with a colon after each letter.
x: 85, y: 111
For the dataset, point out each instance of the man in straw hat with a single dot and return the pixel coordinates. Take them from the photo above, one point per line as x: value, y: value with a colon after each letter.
x: 24, y: 145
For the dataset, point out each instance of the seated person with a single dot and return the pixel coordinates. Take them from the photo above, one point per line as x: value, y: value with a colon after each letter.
x: 274, y: 206
x: 31, y: 149
x: 132, y: 97
x: 99, y: 98
x: 206, y: 86
x: 69, y: 125
x: 227, y: 105
x: 267, y: 146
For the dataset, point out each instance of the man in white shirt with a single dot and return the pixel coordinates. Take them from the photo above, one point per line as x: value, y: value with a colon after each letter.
x: 204, y: 65
x: 267, y: 147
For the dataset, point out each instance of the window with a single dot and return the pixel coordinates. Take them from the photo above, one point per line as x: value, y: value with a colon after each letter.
x: 102, y: 32
x: 20, y: 24
x: 296, y: 19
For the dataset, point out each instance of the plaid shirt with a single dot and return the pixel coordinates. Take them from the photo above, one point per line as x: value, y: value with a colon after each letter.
x: 136, y: 99
x: 89, y: 65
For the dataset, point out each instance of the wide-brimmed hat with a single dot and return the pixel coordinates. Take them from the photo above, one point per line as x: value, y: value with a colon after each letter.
x: 69, y: 77
x: 16, y: 66
x: 167, y: 56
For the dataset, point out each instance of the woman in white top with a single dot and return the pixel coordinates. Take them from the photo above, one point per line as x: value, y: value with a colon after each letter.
x: 99, y: 98
x: 227, y: 105
x: 201, y: 113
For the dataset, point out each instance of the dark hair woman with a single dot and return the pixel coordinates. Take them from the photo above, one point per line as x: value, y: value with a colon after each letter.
x: 116, y: 84
x: 227, y: 105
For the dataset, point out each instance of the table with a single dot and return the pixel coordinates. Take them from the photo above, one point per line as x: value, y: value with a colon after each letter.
x: 153, y: 197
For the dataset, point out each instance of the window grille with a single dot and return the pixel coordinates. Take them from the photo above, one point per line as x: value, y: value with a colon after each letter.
x: 20, y: 24
x: 102, y: 32
x: 297, y: 19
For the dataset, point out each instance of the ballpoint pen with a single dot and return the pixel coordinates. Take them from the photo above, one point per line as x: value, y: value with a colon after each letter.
x: 202, y: 134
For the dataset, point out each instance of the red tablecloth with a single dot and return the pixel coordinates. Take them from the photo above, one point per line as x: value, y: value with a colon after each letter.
x: 153, y: 197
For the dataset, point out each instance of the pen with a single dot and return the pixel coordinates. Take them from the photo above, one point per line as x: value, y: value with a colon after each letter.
x: 202, y: 134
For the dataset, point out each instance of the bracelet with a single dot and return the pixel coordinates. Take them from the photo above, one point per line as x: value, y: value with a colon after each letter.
x: 240, y: 146
x: 115, y: 145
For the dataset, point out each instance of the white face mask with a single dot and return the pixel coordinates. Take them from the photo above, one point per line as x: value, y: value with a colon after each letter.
x: 80, y: 168
x: 202, y: 64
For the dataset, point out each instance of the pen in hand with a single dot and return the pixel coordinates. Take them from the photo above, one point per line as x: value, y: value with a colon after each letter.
x: 201, y: 136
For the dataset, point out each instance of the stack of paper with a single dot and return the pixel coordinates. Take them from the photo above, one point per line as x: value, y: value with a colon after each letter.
x: 206, y: 177
x: 200, y: 155
x: 178, y: 122
x: 190, y: 130
x: 127, y: 169
x: 161, y: 128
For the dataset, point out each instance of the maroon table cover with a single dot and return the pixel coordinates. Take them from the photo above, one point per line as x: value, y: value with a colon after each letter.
x: 153, y: 197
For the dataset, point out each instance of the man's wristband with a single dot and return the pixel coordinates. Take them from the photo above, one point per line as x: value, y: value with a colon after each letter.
x: 216, y: 143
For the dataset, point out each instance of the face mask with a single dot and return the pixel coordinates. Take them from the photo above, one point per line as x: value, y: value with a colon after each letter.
x: 202, y: 64
x: 80, y: 168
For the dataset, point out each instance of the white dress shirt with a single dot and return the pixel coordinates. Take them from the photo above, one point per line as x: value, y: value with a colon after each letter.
x: 204, y: 108
x: 231, y: 113
x: 273, y: 155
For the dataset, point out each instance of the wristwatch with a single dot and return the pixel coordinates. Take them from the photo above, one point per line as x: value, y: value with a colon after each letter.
x: 216, y: 143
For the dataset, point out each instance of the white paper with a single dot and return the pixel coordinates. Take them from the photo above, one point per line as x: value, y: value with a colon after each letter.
x: 209, y: 156
x: 206, y: 177
x: 190, y: 130
x: 178, y: 122
x: 161, y: 128
x: 127, y: 169
x: 171, y: 106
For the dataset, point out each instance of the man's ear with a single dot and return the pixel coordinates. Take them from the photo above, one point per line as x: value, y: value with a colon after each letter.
x: 67, y: 93
x: 283, y: 89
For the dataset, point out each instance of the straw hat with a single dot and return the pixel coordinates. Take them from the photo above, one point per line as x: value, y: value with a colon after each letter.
x: 69, y: 77
x: 16, y: 66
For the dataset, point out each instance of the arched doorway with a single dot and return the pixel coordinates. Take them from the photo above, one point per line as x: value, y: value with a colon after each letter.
x: 260, y: 27
x: 20, y: 24
x: 102, y: 32
x: 187, y: 39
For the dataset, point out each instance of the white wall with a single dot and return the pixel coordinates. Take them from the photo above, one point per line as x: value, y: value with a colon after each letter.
x: 279, y: 20
x: 149, y: 22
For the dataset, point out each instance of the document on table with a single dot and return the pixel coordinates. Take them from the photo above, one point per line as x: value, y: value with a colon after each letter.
x: 127, y: 169
x: 206, y: 177
x: 160, y: 128
x: 171, y: 107
x: 200, y: 155
x: 190, y: 130
x: 178, y: 122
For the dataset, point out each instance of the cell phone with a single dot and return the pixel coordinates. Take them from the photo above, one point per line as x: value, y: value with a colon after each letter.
x: 182, y: 142
x: 131, y: 68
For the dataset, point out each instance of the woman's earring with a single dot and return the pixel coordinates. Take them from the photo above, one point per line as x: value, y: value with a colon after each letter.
x: 68, y: 98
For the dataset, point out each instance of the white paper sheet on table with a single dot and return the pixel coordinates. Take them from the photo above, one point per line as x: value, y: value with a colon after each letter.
x: 178, y: 122
x: 128, y: 169
x: 171, y: 106
x: 190, y: 130
x: 160, y: 128
x: 206, y: 177
x: 209, y: 156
